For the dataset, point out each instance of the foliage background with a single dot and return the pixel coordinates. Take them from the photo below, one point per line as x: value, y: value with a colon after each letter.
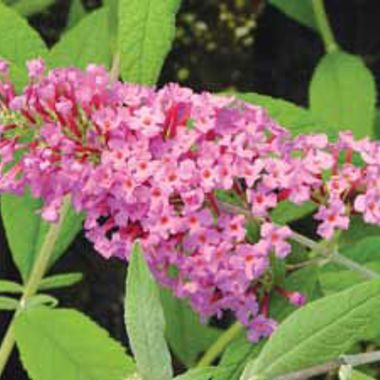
x: 242, y: 44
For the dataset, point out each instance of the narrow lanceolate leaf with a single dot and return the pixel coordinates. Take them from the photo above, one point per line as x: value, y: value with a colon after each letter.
x: 30, y: 7
x: 76, y: 13
x: 18, y: 43
x: 21, y: 214
x: 297, y: 119
x: 60, y: 281
x: 300, y: 11
x: 7, y: 303
x: 197, y: 374
x: 187, y: 337
x: 343, y: 93
x: 10, y: 287
x: 145, y: 321
x: 64, y: 344
x: 146, y: 33
x: 87, y: 42
x: 318, y: 332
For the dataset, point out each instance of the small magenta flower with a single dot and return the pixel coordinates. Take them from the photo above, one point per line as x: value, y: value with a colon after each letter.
x: 276, y: 238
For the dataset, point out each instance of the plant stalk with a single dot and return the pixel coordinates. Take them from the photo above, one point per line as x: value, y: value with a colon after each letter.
x: 324, y: 26
x: 39, y: 268
x: 219, y: 345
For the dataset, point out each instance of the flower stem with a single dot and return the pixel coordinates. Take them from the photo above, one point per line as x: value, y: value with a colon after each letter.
x: 219, y: 345
x: 324, y: 26
x: 31, y: 287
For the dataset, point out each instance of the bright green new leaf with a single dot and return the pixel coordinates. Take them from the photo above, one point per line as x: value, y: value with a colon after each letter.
x: 60, y: 281
x: 185, y: 334
x: 299, y: 10
x: 18, y: 43
x: 146, y: 33
x: 87, y: 42
x: 297, y: 119
x: 7, y: 303
x: 25, y: 230
x: 30, y: 7
x: 41, y: 300
x: 145, y: 321
x: 197, y: 374
x: 356, y: 375
x: 318, y: 332
x: 63, y: 344
x: 343, y: 93
x: 10, y: 287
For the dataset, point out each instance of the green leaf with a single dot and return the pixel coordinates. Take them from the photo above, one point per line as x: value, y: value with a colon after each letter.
x: 29, y: 7
x: 87, y: 42
x: 18, y: 43
x: 76, y: 12
x: 304, y: 280
x: 146, y: 32
x: 343, y: 93
x: 145, y: 321
x: 297, y: 119
x: 60, y: 281
x: 10, y: 287
x: 197, y: 374
x: 185, y: 334
x: 235, y: 357
x: 286, y: 211
x: 41, y: 300
x: 7, y: 303
x: 366, y: 252
x: 63, y: 344
x: 318, y: 332
x: 301, y: 11
x: 356, y: 375
x: 21, y: 214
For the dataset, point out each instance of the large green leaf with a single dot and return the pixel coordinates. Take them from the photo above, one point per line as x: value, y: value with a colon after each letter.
x: 301, y: 11
x: 343, y: 93
x: 18, y: 43
x: 145, y: 321
x: 64, y: 344
x: 76, y: 12
x: 30, y: 7
x: 318, y: 332
x: 26, y: 231
x: 146, y: 32
x: 87, y: 42
x: 297, y: 119
x: 186, y: 335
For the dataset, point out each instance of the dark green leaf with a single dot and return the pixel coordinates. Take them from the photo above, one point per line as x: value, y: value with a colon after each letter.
x: 301, y: 11
x: 63, y: 344
x: 286, y: 211
x: 146, y: 32
x: 318, y: 332
x: 21, y: 214
x: 145, y: 321
x: 197, y: 374
x: 60, y: 281
x: 87, y: 42
x: 185, y: 334
x: 10, y: 287
x: 343, y: 93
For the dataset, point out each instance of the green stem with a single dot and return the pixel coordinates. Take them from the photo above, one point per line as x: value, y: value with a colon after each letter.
x: 219, y: 346
x: 31, y: 287
x: 324, y: 26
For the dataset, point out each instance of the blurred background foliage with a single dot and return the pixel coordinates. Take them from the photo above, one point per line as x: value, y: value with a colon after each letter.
x: 247, y: 45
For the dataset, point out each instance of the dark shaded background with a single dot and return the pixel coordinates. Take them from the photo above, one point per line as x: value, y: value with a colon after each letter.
x: 241, y: 44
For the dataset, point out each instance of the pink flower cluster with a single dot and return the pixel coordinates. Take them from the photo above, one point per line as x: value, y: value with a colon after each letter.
x: 149, y: 165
